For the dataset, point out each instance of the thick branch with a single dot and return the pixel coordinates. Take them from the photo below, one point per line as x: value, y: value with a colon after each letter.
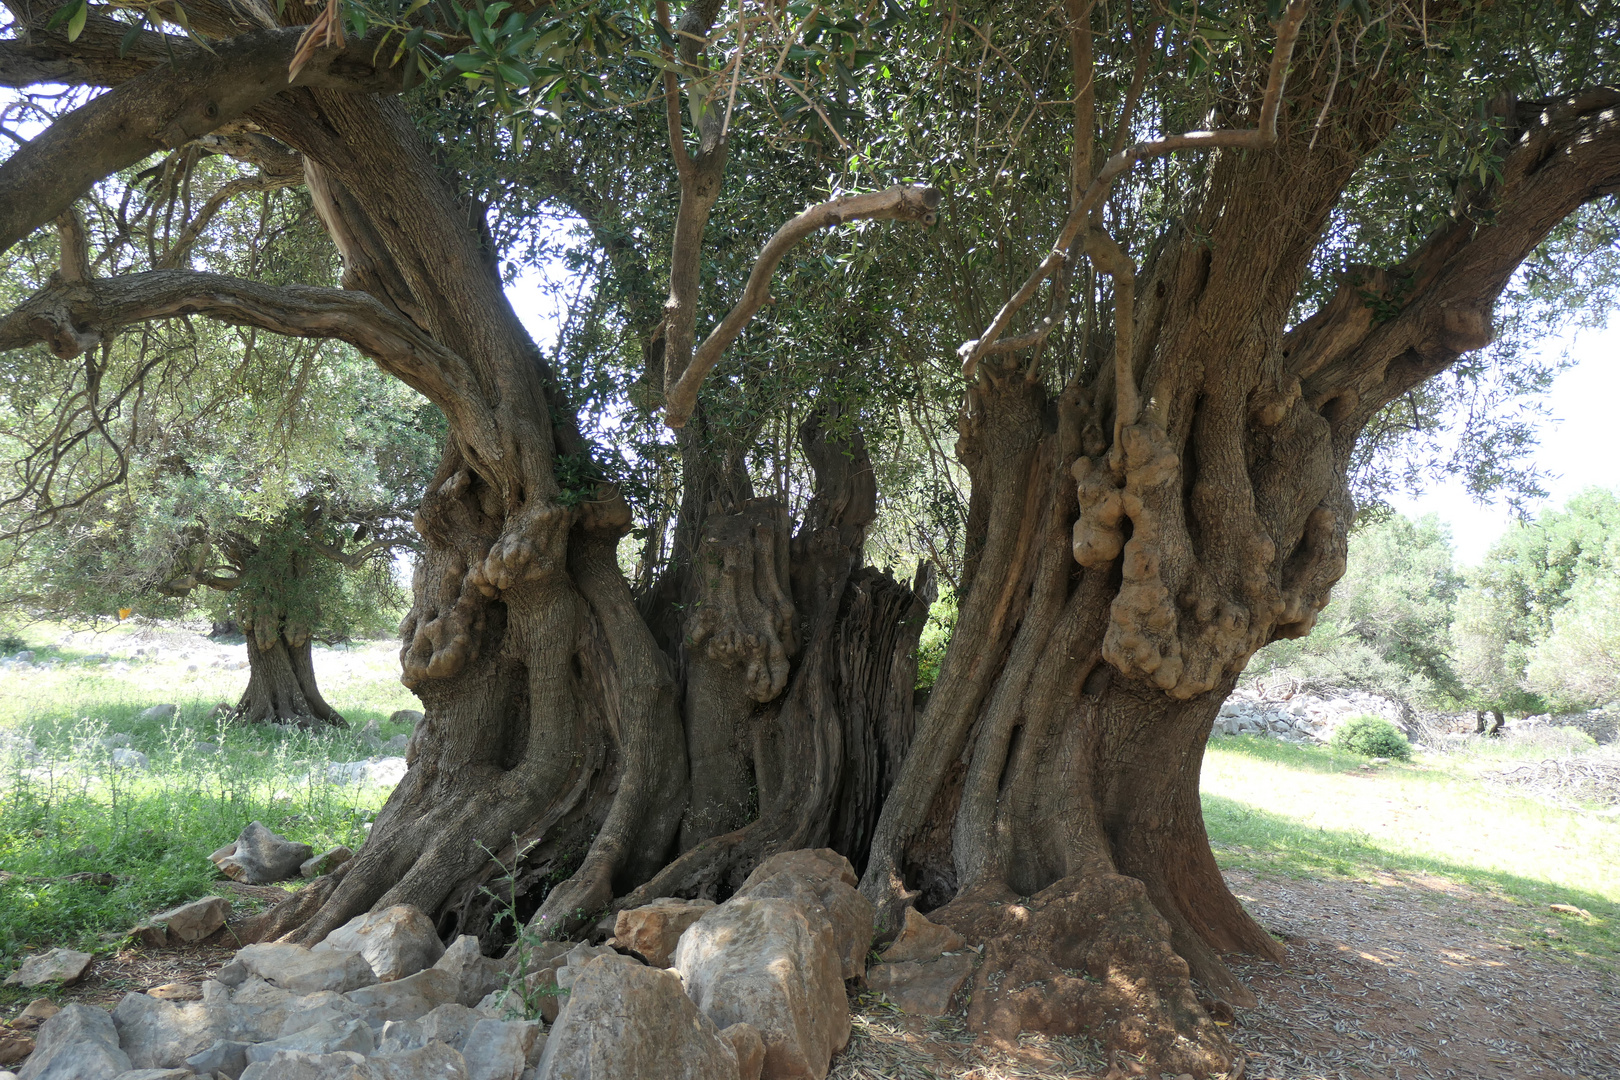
x: 71, y: 317
x: 1262, y: 134
x: 165, y: 108
x: 1351, y: 364
x: 907, y: 203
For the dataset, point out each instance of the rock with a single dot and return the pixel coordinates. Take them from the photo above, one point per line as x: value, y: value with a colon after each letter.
x: 328, y: 1038
x: 59, y: 965
x: 130, y: 759
x: 396, y: 745
x: 177, y: 991
x: 78, y: 1043
x: 543, y: 994
x: 157, y: 1074
x: 922, y: 989
x: 407, y: 998
x: 921, y: 939
x: 301, y: 1065
x: 435, y: 1061
x: 396, y: 941
x: 448, y: 1024
x: 193, y: 921
x: 14, y: 1046
x: 159, y: 712
x: 159, y: 1034
x: 206, y: 748
x: 476, y: 975
x: 25, y: 657
x: 326, y: 862
x: 405, y: 716
x: 574, y: 961
x: 260, y: 857
x: 312, y: 1010
x: 500, y: 1049
x: 303, y: 971
x: 768, y: 963
x: 749, y: 1047
x: 820, y: 881
x: 227, y: 1057
x: 38, y: 1011
x: 257, y: 1011
x: 116, y: 739
x: 653, y: 930
x: 625, y: 1019
x: 384, y: 771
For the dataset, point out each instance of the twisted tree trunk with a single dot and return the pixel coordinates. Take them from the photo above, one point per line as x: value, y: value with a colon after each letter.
x: 281, y: 683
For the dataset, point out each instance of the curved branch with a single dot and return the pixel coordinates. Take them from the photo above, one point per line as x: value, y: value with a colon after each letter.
x: 71, y: 317
x: 1262, y: 134
x: 166, y: 107
x: 1352, y: 358
x: 903, y: 202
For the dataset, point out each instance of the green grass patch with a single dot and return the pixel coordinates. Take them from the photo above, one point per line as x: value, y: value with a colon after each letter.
x: 67, y: 807
x: 1315, y: 812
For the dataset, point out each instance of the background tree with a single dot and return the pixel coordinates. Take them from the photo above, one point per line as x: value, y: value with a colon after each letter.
x: 1387, y: 629
x: 1326, y: 209
x: 1534, y: 603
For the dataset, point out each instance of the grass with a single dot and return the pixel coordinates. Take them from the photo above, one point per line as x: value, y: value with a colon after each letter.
x: 1315, y: 812
x: 66, y: 808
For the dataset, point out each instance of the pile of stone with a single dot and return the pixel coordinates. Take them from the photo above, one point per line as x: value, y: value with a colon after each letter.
x: 1303, y: 717
x: 261, y: 857
x: 686, y: 990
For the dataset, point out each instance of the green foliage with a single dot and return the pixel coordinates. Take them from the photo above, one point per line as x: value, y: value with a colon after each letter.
x: 1534, y: 622
x: 1372, y: 736
x: 1386, y: 627
x: 65, y: 809
x: 936, y: 636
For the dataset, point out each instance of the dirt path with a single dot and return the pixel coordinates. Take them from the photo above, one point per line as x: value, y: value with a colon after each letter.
x: 1413, y: 976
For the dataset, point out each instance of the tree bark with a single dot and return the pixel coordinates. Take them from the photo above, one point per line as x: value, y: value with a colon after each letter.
x: 281, y: 684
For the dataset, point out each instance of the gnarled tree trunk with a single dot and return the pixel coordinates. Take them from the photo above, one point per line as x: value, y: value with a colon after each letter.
x: 281, y: 683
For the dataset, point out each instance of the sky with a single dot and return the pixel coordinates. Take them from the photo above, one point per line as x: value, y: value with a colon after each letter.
x: 1580, y: 446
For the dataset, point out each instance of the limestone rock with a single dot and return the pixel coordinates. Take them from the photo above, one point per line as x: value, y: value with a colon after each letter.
x: 256, y: 1011
x: 921, y: 939
x: 405, y: 716
x: 655, y: 929
x: 500, y: 1049
x: 59, y: 965
x: 14, y: 1046
x: 476, y: 974
x: 159, y: 1034
x: 327, y: 1038
x: 325, y: 862
x: 300, y: 1065
x: 303, y: 971
x: 78, y: 1043
x: 435, y: 1061
x: 193, y: 921
x: 768, y: 963
x: 448, y: 1024
x: 625, y: 1019
x: 820, y: 881
x: 922, y: 988
x: 38, y: 1011
x: 125, y: 758
x: 325, y: 1007
x: 396, y: 941
x: 260, y: 857
x: 228, y: 1057
x: 157, y: 1074
x: 408, y: 998
x: 159, y: 712
x: 749, y: 1047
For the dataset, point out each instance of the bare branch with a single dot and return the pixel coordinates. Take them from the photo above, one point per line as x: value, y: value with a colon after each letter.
x: 71, y: 317
x: 1262, y: 135
x: 75, y: 249
x: 904, y: 202
x: 165, y: 108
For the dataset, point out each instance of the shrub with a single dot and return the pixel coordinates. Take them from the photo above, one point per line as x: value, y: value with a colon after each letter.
x: 1372, y: 736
